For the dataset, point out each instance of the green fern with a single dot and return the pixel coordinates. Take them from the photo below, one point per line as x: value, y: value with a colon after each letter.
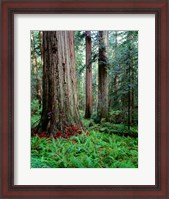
x: 99, y: 150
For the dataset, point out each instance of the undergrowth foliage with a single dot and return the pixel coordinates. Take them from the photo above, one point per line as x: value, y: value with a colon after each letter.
x: 35, y: 112
x: 91, y: 150
x: 103, y: 141
x: 100, y: 146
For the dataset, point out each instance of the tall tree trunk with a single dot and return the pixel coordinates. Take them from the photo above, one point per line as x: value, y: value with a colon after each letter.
x: 88, y: 109
x: 60, y: 112
x: 129, y: 81
x: 132, y: 95
x: 41, y: 44
x: 103, y: 75
x: 36, y: 73
x: 113, y: 81
x: 116, y: 75
x: 129, y: 97
x: 39, y: 81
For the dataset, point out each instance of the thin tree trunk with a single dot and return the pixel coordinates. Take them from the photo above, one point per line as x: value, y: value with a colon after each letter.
x: 41, y: 44
x: 103, y: 76
x: 129, y: 84
x: 129, y: 100
x: 36, y: 71
x: 132, y: 96
x: 39, y: 92
x: 116, y: 75
x: 88, y: 109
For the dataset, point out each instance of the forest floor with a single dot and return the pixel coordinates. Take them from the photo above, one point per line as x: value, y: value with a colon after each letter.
x: 105, y: 145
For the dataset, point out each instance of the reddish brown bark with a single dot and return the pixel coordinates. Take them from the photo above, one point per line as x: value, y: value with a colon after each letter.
x: 60, y: 104
x: 88, y: 109
x: 103, y: 76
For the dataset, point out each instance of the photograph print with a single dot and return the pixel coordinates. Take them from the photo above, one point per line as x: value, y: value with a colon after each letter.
x: 84, y: 99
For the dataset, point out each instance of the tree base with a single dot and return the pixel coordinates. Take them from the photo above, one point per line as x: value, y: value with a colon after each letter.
x: 69, y: 131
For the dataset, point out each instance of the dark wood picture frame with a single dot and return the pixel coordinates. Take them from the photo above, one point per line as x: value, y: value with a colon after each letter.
x: 11, y: 7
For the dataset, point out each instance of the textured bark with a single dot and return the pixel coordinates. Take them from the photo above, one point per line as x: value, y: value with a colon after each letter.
x: 113, y: 88
x: 60, y: 104
x: 88, y: 109
x: 103, y: 76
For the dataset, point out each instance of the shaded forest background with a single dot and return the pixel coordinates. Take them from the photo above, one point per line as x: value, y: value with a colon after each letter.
x: 84, y: 99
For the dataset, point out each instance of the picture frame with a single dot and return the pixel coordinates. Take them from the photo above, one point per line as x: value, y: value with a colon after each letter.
x: 9, y: 8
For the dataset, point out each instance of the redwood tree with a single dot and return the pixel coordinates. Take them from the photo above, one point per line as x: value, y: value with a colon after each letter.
x: 60, y: 112
x: 88, y: 109
x: 103, y: 75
